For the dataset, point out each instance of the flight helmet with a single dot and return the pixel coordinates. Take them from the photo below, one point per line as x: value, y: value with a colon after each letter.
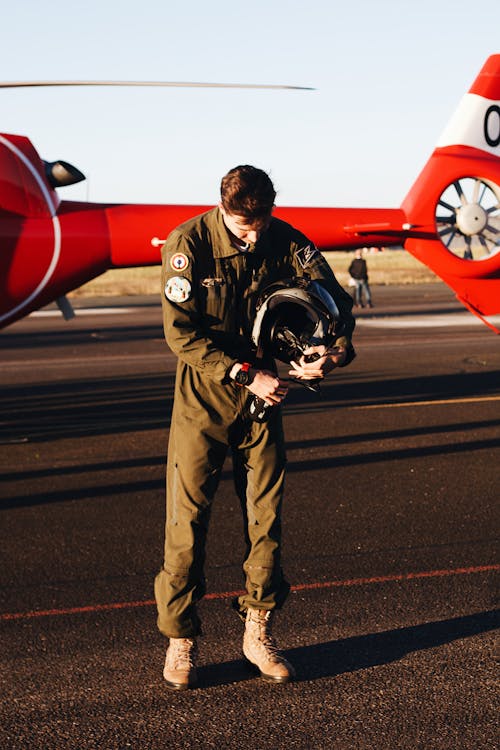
x: 293, y: 314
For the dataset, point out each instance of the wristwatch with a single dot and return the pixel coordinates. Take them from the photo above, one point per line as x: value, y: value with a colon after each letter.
x: 243, y: 376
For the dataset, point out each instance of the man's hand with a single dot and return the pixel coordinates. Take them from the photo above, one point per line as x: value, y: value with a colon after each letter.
x: 324, y: 360
x: 268, y: 386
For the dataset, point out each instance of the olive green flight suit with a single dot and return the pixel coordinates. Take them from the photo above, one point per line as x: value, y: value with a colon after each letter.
x: 208, y: 309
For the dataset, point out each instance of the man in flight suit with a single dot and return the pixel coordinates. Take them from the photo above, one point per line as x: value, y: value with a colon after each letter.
x: 214, y: 268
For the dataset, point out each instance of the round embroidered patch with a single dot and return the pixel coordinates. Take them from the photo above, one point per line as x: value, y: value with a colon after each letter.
x: 179, y: 262
x: 178, y: 289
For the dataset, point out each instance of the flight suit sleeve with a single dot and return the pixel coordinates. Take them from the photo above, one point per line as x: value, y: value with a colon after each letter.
x: 307, y: 259
x: 182, y: 318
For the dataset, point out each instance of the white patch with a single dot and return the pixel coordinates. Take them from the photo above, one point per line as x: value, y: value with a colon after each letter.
x: 306, y: 255
x: 179, y: 262
x: 178, y: 289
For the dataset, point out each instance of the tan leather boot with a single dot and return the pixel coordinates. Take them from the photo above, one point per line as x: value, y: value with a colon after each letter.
x: 180, y: 663
x: 260, y: 648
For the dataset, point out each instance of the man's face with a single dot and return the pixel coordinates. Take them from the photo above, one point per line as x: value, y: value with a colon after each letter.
x: 243, y: 229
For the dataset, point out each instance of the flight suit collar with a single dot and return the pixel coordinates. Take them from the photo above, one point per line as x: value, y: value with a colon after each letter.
x: 223, y: 248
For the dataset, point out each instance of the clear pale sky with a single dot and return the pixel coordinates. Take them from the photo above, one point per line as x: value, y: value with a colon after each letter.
x: 388, y: 76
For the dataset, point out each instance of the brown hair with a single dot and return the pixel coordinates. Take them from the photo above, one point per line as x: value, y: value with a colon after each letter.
x: 247, y: 191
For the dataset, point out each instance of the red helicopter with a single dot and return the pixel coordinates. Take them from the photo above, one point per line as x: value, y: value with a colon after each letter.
x: 450, y: 219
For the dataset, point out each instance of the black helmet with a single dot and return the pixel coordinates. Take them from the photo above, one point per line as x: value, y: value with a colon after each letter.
x: 293, y: 314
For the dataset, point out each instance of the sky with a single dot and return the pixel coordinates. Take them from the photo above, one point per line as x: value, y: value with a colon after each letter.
x: 387, y: 77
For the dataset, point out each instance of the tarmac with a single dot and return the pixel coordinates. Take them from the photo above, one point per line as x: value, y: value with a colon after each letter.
x: 390, y: 542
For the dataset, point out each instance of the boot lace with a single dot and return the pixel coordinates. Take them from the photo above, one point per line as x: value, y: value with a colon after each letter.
x: 181, y: 653
x: 266, y: 641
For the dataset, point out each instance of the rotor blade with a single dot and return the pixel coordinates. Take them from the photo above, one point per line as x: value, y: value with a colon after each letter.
x: 26, y: 84
x: 475, y: 192
x: 491, y: 229
x: 484, y: 188
x: 484, y: 243
x: 461, y: 194
x: 447, y: 205
x: 451, y: 238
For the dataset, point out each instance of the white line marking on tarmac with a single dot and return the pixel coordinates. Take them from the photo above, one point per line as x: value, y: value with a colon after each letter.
x: 427, y: 321
x: 84, y: 311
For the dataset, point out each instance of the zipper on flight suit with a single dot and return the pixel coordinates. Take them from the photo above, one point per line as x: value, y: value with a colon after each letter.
x: 249, y: 265
x: 175, y: 483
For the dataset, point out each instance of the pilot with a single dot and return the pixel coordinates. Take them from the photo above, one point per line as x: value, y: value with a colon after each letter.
x: 215, y: 267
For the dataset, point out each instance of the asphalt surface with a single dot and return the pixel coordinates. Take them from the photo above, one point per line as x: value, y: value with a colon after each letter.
x: 390, y: 542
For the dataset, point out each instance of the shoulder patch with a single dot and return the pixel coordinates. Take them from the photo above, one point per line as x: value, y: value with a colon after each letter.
x: 178, y: 289
x: 179, y: 262
x: 305, y: 255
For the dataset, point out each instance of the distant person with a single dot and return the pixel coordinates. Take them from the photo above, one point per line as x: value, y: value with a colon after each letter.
x: 359, y: 273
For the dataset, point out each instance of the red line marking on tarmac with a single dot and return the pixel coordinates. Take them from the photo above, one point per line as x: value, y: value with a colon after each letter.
x: 230, y: 594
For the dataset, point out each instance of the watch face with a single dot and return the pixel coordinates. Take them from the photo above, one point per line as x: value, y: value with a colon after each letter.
x: 242, y: 377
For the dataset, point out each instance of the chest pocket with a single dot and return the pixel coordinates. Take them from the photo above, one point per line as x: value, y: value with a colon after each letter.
x: 215, y: 291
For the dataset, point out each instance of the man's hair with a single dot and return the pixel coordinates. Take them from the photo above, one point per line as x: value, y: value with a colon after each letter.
x: 247, y: 191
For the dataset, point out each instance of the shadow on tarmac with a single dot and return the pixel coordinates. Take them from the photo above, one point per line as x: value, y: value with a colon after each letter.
x: 77, y: 337
x: 360, y: 652
x: 140, y: 486
x: 12, y: 499
x: 148, y: 461
x: 38, y: 412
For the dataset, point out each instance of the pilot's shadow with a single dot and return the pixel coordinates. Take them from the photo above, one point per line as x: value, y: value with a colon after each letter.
x: 360, y: 652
